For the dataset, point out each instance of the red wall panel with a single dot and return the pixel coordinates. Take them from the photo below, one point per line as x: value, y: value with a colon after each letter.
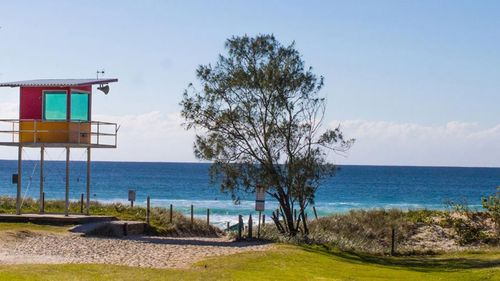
x: 31, y: 103
x: 31, y: 100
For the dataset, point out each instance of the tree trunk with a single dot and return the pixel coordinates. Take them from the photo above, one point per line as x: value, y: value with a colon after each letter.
x: 276, y: 220
x: 304, y: 222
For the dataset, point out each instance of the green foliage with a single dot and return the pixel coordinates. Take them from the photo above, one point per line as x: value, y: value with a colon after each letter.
x: 423, y: 215
x: 492, y: 205
x: 159, y: 217
x: 258, y: 116
x: 468, y: 225
x: 468, y: 230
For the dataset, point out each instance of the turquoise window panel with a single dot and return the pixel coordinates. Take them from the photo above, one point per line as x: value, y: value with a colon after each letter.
x: 55, y: 105
x: 79, y: 106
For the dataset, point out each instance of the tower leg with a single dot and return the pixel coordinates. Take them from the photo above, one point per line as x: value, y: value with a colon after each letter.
x: 42, y: 156
x: 66, y: 199
x: 19, y: 178
x: 87, y: 204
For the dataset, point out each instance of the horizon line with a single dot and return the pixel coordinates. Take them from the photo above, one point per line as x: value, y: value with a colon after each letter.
x: 338, y: 165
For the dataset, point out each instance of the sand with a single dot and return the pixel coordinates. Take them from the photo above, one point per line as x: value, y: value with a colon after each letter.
x: 140, y: 251
x: 433, y: 238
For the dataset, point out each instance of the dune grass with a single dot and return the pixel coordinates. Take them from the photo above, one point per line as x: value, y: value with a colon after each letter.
x: 369, y: 231
x: 159, y: 218
x: 284, y: 262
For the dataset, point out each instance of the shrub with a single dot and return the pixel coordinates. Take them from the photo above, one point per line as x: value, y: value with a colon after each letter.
x: 492, y: 205
x: 423, y: 216
x: 468, y: 231
x: 468, y: 225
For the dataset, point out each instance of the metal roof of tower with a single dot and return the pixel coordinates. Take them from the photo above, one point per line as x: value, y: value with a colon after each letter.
x: 57, y: 82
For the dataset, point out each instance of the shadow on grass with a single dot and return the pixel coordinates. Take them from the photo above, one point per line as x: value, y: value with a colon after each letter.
x: 416, y: 263
x: 197, y: 242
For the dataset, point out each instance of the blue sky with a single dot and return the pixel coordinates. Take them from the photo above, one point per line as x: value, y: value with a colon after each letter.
x: 425, y: 72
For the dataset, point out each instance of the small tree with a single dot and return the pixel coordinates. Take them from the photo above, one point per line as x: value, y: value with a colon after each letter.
x: 257, y: 117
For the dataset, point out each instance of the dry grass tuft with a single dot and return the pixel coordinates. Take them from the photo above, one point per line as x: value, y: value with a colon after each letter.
x: 416, y: 231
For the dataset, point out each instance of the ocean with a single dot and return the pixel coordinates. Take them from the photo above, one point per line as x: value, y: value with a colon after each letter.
x: 183, y: 184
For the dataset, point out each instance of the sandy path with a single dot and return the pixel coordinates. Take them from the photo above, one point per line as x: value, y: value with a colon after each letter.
x: 142, y: 251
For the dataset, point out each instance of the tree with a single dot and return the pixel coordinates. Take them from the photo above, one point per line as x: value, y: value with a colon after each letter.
x: 258, y: 117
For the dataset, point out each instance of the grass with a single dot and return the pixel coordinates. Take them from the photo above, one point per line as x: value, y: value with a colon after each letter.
x: 159, y: 217
x: 283, y: 263
x: 18, y: 227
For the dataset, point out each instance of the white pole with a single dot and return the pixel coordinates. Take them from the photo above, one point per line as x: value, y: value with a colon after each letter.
x: 87, y: 205
x: 19, y: 177
x: 66, y: 199
x: 42, y: 152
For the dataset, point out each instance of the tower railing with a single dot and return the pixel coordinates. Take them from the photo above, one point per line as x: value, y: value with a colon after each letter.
x: 35, y: 133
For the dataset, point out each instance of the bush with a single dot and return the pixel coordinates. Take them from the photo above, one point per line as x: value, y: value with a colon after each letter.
x: 468, y: 225
x: 492, y: 206
x: 423, y: 216
x: 468, y: 231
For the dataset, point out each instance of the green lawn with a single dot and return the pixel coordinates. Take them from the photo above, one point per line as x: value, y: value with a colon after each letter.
x: 19, y: 226
x: 283, y: 263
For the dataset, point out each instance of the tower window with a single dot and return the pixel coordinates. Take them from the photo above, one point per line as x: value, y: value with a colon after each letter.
x: 79, y: 106
x: 55, y: 105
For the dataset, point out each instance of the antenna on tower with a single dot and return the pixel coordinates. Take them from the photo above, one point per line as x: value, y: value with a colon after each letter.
x: 99, y: 72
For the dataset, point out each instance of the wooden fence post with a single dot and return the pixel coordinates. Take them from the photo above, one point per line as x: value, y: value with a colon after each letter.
x: 228, y: 226
x: 171, y: 211
x: 81, y: 203
x: 258, y: 225
x: 250, y: 225
x: 240, y: 226
x: 43, y: 202
x: 208, y: 217
x: 148, y: 211
x: 263, y: 219
x: 192, y: 215
x: 393, y: 241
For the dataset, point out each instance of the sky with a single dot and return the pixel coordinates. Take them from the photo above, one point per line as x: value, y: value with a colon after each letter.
x: 414, y: 82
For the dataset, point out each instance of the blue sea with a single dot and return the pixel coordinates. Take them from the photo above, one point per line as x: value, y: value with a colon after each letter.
x: 183, y: 184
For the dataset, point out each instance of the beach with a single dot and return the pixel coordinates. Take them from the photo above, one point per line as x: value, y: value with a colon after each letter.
x: 27, y: 247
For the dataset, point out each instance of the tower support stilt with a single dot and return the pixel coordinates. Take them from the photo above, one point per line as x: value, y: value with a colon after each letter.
x: 66, y: 198
x: 19, y: 179
x: 42, y: 158
x: 87, y: 204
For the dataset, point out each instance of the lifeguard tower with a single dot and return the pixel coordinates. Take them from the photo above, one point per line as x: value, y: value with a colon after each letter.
x: 57, y: 113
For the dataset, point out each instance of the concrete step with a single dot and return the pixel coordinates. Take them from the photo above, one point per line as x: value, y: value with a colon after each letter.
x: 111, y: 228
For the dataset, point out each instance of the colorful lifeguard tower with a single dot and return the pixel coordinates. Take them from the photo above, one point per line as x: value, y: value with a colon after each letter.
x: 57, y: 113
